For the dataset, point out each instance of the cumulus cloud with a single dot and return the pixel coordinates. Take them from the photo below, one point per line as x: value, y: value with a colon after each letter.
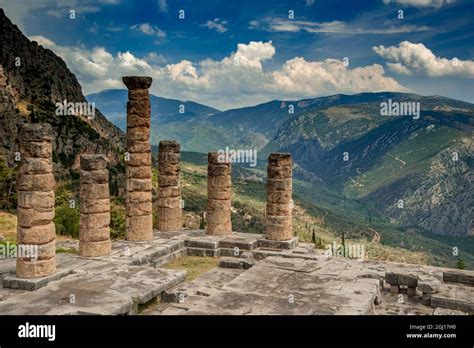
x: 216, y: 24
x: 420, y: 3
x: 240, y: 79
x: 409, y: 58
x: 148, y: 29
x: 334, y: 27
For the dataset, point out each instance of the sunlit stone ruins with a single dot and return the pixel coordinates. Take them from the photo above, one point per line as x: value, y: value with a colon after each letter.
x: 257, y: 274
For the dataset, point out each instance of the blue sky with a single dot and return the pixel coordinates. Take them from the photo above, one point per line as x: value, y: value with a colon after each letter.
x: 235, y: 53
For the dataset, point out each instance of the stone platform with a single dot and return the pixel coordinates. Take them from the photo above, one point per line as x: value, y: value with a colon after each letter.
x: 254, y: 277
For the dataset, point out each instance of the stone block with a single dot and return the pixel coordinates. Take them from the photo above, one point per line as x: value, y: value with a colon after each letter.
x: 36, y: 182
x: 90, y: 206
x: 35, y: 165
x: 95, y: 249
x: 99, y: 176
x: 94, y: 234
x: 36, y: 132
x: 139, y: 185
x: 138, y: 134
x: 133, y: 209
x: 42, y: 149
x: 35, y: 269
x: 138, y: 197
x: 428, y: 284
x: 32, y: 217
x: 93, y: 161
x: 279, y: 172
x: 95, y: 220
x: 139, y: 159
x: 38, y: 234
x: 138, y: 146
x: 41, y: 201
x: 94, y: 191
x: 280, y: 160
x: 143, y: 172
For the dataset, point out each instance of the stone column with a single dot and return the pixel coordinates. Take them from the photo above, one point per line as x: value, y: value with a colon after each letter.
x: 138, y: 219
x: 94, y: 233
x: 279, y: 224
x: 36, y: 237
x: 169, y: 193
x: 219, y: 192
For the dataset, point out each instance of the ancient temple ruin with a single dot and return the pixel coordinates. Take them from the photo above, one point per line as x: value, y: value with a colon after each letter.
x: 273, y: 273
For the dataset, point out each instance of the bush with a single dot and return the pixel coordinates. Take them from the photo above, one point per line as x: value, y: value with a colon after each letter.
x: 117, y: 219
x: 66, y: 221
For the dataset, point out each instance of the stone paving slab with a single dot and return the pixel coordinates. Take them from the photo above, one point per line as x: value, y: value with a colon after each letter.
x: 454, y: 296
x: 284, y: 286
x: 115, y: 290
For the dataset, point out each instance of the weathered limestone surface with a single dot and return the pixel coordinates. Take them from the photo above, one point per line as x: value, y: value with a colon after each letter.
x: 36, y: 232
x: 219, y: 192
x: 279, y: 219
x: 138, y: 219
x: 94, y: 224
x: 169, y: 192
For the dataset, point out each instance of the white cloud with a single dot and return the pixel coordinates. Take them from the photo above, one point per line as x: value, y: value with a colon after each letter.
x: 310, y: 2
x: 19, y: 10
x: 334, y: 27
x: 162, y: 5
x: 154, y: 58
x: 148, y: 29
x: 217, y: 24
x: 240, y: 79
x: 408, y: 58
x: 420, y: 3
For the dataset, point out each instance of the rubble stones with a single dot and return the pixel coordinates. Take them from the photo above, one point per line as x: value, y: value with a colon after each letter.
x: 428, y: 284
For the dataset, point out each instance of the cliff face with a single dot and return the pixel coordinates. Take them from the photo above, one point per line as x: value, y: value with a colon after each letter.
x: 32, y: 80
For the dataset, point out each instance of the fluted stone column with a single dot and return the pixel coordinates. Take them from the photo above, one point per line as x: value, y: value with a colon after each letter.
x: 169, y: 193
x: 36, y: 237
x: 219, y: 192
x: 138, y: 219
x: 94, y: 226
x: 279, y: 225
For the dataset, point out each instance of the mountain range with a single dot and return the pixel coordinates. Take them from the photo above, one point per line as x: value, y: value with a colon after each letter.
x: 415, y: 175
x: 415, y: 172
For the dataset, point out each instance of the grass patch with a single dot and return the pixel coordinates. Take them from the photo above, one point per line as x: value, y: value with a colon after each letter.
x: 67, y: 250
x: 8, y: 226
x: 194, y: 265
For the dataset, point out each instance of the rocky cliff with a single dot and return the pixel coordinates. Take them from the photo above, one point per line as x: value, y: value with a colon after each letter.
x: 32, y: 80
